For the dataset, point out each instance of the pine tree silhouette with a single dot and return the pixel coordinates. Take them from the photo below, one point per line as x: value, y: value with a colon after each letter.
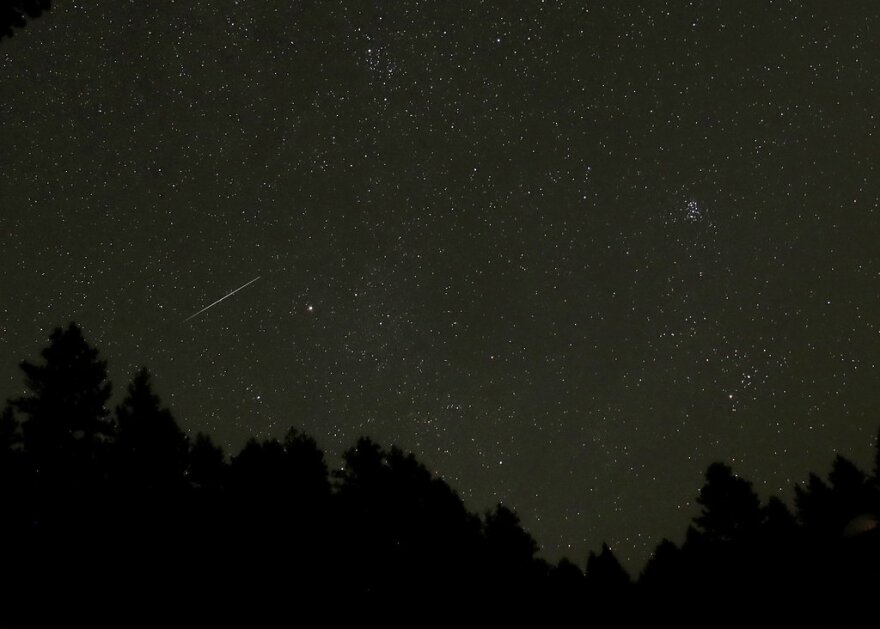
x: 66, y: 425
x: 150, y: 450
x: 207, y: 464
x: 605, y: 574
x: 731, y: 511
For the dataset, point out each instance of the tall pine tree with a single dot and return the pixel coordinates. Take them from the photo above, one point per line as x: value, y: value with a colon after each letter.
x: 151, y: 450
x: 66, y: 421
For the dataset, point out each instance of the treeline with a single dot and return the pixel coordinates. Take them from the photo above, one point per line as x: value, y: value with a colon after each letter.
x: 117, y: 517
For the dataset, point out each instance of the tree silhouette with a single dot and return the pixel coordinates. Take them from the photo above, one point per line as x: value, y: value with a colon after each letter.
x: 277, y: 494
x: 813, y: 502
x: 605, y: 574
x: 10, y: 451
x: 507, y: 542
x: 566, y: 574
x: 133, y: 503
x: 15, y: 13
x: 148, y: 461
x: 840, y: 534
x: 825, y: 510
x: 608, y: 587
x: 665, y: 569
x: 11, y: 455
x: 66, y: 420
x: 150, y: 450
x: 15, y: 480
x: 731, y: 511
x: 402, y: 529
x: 207, y: 525
x: 308, y: 470
x: 207, y: 464
x: 512, y: 568
x: 851, y: 488
x: 279, y: 484
x: 66, y: 433
x: 259, y: 470
x: 721, y: 555
x: 9, y: 431
x: 565, y: 585
x: 295, y: 467
x: 778, y: 523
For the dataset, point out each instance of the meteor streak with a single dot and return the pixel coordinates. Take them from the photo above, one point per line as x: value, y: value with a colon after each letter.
x: 221, y: 299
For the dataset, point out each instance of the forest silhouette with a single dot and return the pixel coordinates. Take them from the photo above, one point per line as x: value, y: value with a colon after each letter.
x: 118, y: 517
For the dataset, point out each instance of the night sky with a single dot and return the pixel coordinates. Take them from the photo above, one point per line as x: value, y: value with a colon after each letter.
x: 568, y: 253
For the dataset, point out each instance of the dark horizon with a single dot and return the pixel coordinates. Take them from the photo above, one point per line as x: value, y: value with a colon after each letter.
x: 108, y: 510
x: 335, y: 461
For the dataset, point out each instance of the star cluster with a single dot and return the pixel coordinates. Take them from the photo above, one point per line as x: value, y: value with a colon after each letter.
x: 567, y: 252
